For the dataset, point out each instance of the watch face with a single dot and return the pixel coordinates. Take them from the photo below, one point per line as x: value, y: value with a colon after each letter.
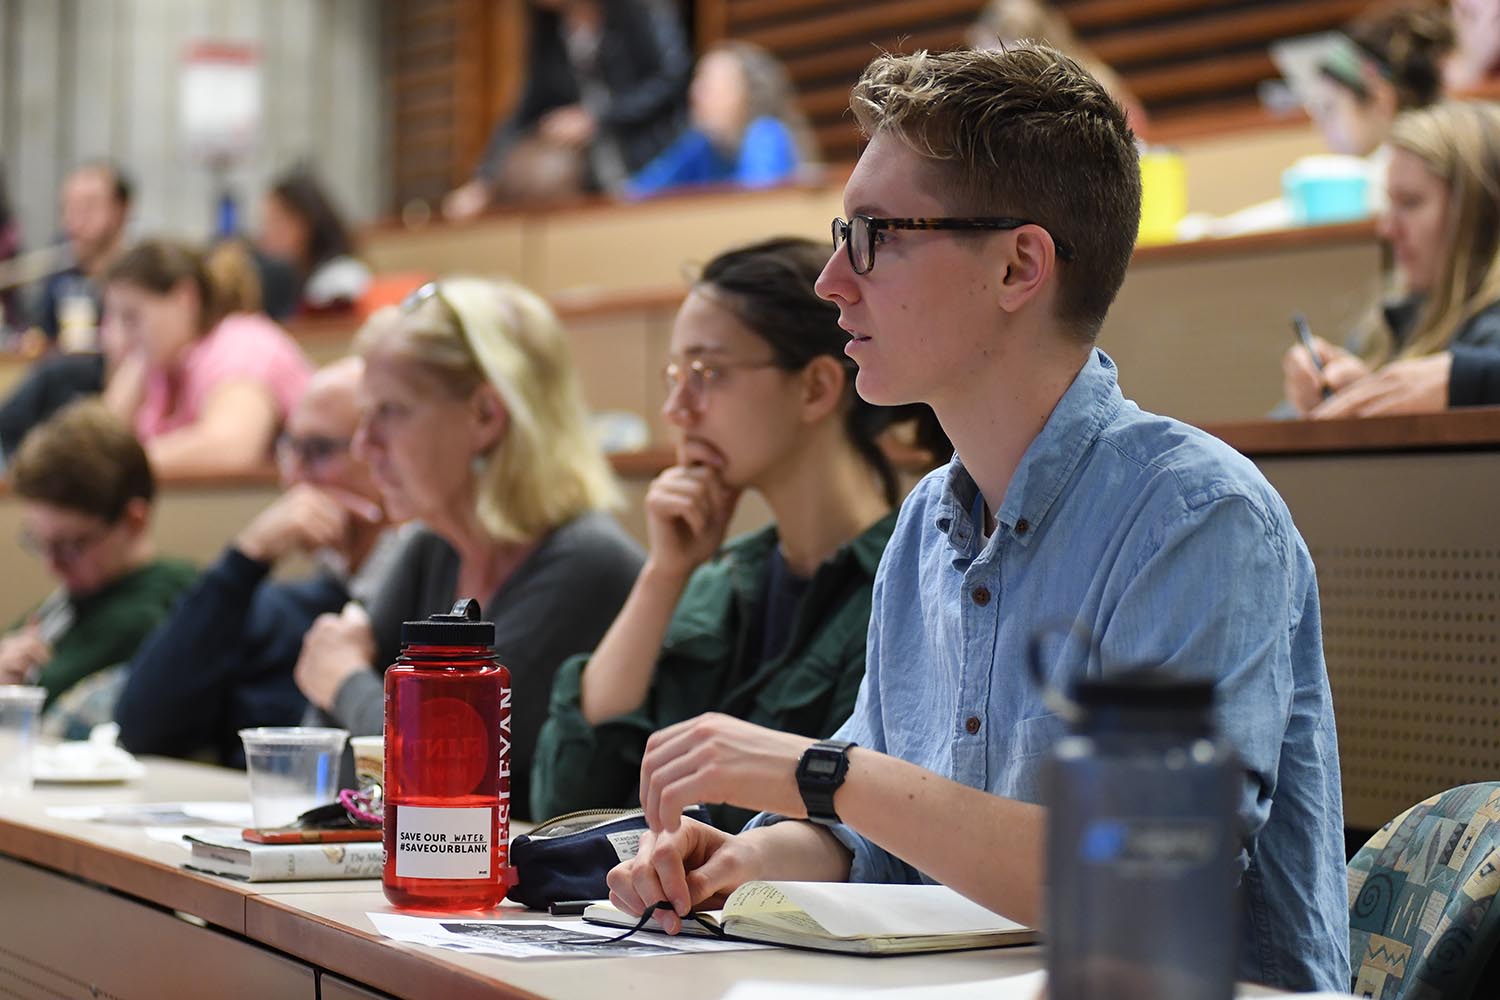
x: 822, y: 767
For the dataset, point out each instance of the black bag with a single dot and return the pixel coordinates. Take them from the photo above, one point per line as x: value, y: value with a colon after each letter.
x: 566, y: 858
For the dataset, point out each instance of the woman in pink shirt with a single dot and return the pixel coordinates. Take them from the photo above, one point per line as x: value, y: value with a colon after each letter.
x: 205, y: 381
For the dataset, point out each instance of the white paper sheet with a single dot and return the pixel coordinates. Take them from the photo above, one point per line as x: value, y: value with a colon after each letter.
x: 1027, y: 986
x: 847, y: 909
x: 520, y: 938
x: 160, y: 814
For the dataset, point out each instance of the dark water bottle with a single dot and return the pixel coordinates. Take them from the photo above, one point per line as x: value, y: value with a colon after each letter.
x: 447, y: 766
x: 1141, y: 845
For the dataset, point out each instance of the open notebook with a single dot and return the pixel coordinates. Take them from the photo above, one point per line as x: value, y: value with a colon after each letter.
x: 859, y: 918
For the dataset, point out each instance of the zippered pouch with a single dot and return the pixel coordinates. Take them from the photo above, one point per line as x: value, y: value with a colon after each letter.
x: 567, y: 857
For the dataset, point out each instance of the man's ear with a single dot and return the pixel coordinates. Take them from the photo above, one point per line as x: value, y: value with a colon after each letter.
x: 489, y: 417
x: 823, y: 382
x: 137, y: 515
x: 1030, y: 260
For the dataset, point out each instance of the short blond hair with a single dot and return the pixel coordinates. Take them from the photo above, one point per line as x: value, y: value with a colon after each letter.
x: 549, y: 468
x: 1022, y: 132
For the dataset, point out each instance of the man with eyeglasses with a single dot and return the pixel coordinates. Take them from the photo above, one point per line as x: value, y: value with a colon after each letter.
x: 224, y: 659
x: 992, y: 217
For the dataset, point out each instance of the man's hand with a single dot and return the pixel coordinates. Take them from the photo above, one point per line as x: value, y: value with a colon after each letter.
x: 694, y: 868
x: 466, y: 201
x: 22, y: 654
x: 335, y: 648
x: 304, y: 518
x: 716, y: 758
x: 1417, y: 385
x: 572, y: 126
x: 688, y: 508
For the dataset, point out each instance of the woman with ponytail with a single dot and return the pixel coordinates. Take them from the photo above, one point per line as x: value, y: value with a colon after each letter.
x: 769, y: 627
x: 204, y: 378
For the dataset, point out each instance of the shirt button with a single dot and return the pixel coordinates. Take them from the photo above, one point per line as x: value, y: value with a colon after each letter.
x: 981, y: 596
x: 1022, y: 526
x: 972, y: 724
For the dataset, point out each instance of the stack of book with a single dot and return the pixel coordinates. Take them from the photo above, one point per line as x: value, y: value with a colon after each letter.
x: 238, y: 858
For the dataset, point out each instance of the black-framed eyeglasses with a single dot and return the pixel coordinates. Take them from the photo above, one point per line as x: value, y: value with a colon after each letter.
x: 311, y: 449
x: 857, y: 235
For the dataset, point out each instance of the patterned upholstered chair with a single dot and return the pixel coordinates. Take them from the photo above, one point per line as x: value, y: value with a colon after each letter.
x: 1422, y: 919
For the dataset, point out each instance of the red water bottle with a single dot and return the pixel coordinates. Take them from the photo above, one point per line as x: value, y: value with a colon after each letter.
x: 447, y: 766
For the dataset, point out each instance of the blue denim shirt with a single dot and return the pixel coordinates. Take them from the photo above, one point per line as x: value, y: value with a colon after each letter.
x: 1171, y: 549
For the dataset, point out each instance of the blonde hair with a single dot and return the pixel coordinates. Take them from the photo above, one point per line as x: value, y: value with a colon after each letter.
x: 1459, y: 142
x: 548, y: 468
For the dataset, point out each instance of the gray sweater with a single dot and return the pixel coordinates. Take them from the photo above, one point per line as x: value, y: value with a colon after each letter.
x: 557, y: 603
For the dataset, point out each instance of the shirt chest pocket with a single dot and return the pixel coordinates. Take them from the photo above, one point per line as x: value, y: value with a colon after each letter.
x: 1030, y: 742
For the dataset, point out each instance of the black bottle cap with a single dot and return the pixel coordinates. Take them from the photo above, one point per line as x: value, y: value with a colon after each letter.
x: 1147, y: 690
x: 459, y: 627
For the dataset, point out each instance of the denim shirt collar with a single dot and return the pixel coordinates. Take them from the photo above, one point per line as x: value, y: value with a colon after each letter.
x: 1091, y: 402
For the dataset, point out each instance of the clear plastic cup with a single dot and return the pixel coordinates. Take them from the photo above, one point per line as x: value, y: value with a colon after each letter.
x: 369, y: 761
x: 20, y: 708
x: 291, y: 770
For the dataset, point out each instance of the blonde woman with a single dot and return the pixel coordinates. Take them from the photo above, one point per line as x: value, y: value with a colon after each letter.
x: 1430, y: 343
x: 475, y: 426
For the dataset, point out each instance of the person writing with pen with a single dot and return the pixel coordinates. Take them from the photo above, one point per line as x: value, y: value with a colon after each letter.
x: 1434, y: 341
x: 989, y: 224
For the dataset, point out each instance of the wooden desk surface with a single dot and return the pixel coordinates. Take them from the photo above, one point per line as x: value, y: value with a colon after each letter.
x: 324, y: 924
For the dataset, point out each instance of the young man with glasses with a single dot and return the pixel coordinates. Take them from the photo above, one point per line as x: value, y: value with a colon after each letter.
x: 86, y: 492
x: 993, y: 214
x: 224, y: 659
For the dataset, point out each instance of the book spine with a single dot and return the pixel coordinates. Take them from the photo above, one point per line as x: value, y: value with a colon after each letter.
x: 296, y: 862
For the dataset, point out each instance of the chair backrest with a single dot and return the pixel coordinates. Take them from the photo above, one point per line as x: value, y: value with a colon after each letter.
x: 1422, y: 924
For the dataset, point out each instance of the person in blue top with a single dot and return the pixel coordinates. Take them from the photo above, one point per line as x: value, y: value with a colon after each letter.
x: 746, y: 127
x: 992, y: 217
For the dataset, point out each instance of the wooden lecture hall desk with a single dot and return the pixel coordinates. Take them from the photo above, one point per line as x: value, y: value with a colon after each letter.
x: 88, y: 910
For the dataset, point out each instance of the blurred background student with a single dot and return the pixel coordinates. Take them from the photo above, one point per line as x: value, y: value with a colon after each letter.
x: 772, y: 626
x: 475, y: 425
x: 205, y: 379
x: 605, y: 94
x: 1476, y: 58
x: 1427, y: 344
x: 1005, y: 22
x: 86, y: 493
x: 11, y: 319
x: 1390, y: 60
x: 223, y: 659
x: 301, y: 229
x: 95, y: 205
x: 745, y: 126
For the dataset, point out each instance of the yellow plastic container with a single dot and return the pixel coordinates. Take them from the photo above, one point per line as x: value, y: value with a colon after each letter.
x: 1163, y: 196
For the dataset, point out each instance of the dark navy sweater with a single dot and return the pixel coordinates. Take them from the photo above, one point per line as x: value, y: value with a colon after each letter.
x: 222, y: 661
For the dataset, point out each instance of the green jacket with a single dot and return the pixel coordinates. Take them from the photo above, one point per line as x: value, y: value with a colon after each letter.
x: 809, y: 689
x: 110, y: 623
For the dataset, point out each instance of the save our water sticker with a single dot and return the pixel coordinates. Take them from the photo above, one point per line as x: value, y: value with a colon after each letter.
x: 443, y: 843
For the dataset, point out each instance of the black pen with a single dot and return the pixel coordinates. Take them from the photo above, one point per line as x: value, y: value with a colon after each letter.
x: 1304, y: 335
x: 570, y: 907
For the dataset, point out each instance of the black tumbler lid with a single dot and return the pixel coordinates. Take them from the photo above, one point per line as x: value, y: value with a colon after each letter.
x: 459, y: 627
x: 1148, y: 690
